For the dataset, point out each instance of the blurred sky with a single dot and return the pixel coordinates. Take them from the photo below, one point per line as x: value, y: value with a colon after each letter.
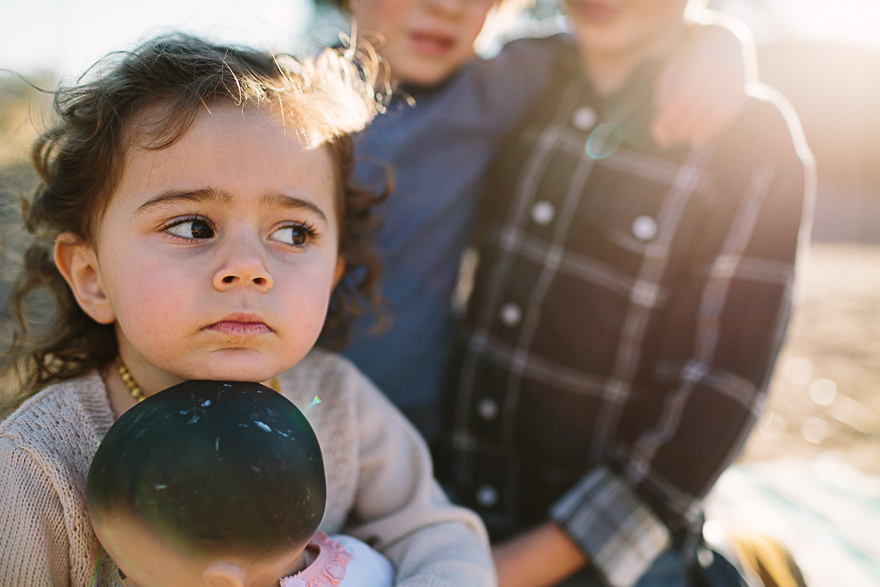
x: 66, y: 36
x: 853, y: 22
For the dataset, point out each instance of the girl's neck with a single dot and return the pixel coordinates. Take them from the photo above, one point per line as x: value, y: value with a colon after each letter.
x: 609, y: 69
x: 149, y: 380
x: 120, y: 396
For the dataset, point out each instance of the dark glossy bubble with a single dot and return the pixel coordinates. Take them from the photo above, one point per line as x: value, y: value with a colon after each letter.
x: 213, y: 466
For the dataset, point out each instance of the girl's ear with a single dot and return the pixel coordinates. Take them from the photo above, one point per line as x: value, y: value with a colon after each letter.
x: 77, y: 263
x: 340, y: 270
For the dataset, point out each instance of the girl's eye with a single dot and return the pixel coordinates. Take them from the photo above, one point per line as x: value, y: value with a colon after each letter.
x: 293, y: 234
x: 192, y: 228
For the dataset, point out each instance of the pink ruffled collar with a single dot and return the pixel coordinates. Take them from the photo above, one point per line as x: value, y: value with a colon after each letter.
x: 328, y: 568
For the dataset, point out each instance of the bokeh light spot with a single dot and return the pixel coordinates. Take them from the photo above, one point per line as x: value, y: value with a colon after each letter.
x: 487, y: 496
x: 797, y: 371
x: 772, y: 427
x: 815, y: 430
x: 823, y: 391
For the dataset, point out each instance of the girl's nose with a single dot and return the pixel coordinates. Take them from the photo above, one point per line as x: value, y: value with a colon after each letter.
x: 243, y: 268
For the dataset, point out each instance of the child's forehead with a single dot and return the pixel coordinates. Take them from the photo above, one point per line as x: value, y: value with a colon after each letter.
x: 221, y: 127
x: 162, y: 123
x: 227, y: 150
x: 160, y: 127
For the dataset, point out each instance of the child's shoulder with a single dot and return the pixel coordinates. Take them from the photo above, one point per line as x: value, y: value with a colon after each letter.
x: 67, y: 417
x: 539, y: 40
x: 530, y: 51
x: 321, y: 368
x: 46, y: 447
x: 327, y: 374
x: 772, y: 129
x: 337, y: 382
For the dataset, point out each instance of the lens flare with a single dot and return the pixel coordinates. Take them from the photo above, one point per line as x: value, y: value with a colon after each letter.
x: 604, y: 140
x: 97, y: 568
x: 315, y: 401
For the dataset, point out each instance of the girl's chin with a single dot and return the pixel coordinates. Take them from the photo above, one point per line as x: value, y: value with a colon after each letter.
x: 233, y: 364
x: 234, y: 368
x: 259, y: 375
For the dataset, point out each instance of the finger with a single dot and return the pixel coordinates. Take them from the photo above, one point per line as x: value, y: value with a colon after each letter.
x: 723, y: 114
x: 668, y: 83
x: 701, y: 109
x: 668, y: 118
x: 694, y: 119
x: 686, y: 82
x: 683, y: 74
x: 709, y: 119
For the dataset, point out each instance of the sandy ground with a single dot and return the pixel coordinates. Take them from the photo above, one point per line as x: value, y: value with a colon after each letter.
x: 824, y: 395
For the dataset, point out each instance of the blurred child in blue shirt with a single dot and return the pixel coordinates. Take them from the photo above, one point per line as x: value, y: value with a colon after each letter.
x: 441, y: 131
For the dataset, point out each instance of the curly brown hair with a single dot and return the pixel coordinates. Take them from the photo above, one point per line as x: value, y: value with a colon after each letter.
x: 80, y: 160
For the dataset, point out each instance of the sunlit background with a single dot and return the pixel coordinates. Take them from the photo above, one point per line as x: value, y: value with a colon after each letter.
x: 66, y: 36
x: 824, y: 55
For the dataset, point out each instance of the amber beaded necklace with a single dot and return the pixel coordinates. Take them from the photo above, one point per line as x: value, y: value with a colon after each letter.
x: 138, y: 394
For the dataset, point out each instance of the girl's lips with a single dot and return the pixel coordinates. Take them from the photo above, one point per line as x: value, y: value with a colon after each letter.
x: 232, y: 328
x: 432, y: 43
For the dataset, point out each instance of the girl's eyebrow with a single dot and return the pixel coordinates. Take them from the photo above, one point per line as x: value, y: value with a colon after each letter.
x: 291, y: 202
x: 213, y: 195
x: 196, y: 195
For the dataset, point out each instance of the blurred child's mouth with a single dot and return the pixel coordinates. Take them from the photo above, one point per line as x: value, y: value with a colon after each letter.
x: 432, y: 43
x: 234, y: 328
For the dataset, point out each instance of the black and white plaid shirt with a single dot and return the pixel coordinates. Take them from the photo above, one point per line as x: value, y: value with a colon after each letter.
x: 628, y: 307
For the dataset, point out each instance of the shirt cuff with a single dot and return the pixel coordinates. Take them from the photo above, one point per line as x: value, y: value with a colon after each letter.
x: 620, y: 534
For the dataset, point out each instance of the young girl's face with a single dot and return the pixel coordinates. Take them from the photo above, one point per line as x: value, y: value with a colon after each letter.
x: 216, y: 256
x: 424, y: 41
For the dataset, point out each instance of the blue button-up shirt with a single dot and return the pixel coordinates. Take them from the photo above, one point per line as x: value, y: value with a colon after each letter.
x: 439, y: 150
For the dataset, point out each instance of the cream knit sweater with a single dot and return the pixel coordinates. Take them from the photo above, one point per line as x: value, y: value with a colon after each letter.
x: 380, y: 487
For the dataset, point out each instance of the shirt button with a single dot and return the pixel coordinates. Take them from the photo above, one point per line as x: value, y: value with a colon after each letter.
x: 543, y: 212
x: 644, y: 228
x: 584, y: 118
x: 487, y: 496
x: 511, y: 314
x: 488, y: 409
